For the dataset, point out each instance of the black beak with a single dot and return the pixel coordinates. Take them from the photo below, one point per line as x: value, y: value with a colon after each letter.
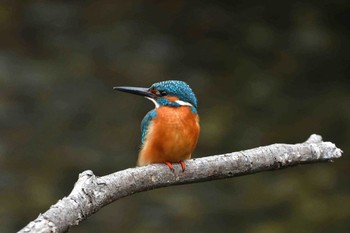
x: 136, y: 90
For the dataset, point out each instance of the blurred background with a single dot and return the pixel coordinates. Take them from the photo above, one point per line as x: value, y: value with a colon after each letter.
x: 263, y: 73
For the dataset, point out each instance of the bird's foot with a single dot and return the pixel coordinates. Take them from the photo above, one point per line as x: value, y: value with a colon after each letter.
x: 170, y: 166
x: 183, y: 166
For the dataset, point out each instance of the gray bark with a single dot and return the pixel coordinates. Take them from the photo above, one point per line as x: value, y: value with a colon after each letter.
x: 91, y: 193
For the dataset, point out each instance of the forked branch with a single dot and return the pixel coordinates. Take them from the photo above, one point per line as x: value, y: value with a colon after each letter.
x: 91, y: 193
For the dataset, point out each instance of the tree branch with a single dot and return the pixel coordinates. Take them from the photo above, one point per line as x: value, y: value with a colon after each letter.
x: 91, y: 193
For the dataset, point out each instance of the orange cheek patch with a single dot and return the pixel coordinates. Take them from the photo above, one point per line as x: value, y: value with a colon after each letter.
x: 171, y: 98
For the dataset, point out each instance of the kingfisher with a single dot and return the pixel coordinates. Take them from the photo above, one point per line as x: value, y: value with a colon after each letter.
x: 169, y: 132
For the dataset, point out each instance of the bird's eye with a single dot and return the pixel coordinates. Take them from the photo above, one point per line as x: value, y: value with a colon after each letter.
x: 162, y: 93
x: 158, y: 93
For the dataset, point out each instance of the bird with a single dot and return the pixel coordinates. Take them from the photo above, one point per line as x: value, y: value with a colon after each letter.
x: 170, y: 131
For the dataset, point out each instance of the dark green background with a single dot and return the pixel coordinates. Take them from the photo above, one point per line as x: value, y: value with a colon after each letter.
x: 263, y: 73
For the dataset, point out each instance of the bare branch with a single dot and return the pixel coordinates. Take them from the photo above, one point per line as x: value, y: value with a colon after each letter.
x: 91, y: 193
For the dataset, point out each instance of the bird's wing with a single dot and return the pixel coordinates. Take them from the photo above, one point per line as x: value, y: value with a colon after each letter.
x: 145, y: 124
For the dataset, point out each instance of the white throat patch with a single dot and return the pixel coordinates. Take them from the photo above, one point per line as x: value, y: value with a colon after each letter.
x: 154, y: 101
x: 183, y: 103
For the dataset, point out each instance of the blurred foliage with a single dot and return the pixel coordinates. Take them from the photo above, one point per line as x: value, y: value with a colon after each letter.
x: 267, y: 72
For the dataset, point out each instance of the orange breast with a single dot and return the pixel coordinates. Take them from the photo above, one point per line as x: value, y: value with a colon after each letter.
x: 172, y: 136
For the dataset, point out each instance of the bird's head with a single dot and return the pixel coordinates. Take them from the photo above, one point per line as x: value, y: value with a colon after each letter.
x: 166, y: 93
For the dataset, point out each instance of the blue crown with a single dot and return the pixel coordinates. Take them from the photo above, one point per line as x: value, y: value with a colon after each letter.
x: 176, y: 88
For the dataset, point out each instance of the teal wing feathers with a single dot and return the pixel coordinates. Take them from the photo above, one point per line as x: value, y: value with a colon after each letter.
x: 145, y: 124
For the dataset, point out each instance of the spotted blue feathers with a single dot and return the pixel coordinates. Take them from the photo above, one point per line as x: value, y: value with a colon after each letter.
x: 176, y: 88
x: 145, y: 124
